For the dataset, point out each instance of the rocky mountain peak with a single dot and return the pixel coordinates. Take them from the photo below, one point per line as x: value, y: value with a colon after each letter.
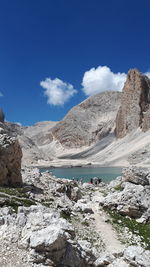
x: 134, y: 111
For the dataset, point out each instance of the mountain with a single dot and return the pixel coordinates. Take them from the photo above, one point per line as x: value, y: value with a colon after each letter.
x: 83, y: 126
x: 108, y: 129
x: 89, y: 121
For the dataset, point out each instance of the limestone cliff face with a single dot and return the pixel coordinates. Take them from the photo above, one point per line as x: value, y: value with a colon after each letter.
x: 89, y: 121
x: 134, y: 111
x: 10, y: 159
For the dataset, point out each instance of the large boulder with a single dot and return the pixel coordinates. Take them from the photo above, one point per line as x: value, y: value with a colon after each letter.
x: 135, y: 176
x: 134, y: 111
x: 131, y: 256
x: 10, y: 160
x: 48, y: 238
x: 129, y: 195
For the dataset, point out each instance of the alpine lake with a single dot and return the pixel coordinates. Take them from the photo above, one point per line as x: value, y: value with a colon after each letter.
x: 86, y: 173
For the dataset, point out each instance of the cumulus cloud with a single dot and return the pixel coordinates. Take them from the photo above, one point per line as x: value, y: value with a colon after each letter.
x: 57, y: 91
x: 101, y: 79
x: 18, y: 123
x: 147, y: 74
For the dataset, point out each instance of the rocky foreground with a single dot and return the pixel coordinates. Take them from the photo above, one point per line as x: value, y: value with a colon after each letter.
x: 62, y: 223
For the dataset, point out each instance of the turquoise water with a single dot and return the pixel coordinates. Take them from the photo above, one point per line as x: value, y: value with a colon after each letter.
x: 86, y: 173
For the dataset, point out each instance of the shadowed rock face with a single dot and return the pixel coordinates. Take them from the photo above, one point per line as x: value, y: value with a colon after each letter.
x: 134, y: 111
x: 10, y: 159
x: 2, y: 116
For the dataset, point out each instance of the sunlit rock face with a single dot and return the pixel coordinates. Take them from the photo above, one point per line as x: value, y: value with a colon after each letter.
x: 134, y: 111
x: 89, y: 121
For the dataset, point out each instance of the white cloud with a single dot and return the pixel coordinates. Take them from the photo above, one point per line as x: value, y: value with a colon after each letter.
x: 18, y: 123
x: 1, y: 94
x: 147, y: 74
x: 57, y: 91
x: 101, y: 79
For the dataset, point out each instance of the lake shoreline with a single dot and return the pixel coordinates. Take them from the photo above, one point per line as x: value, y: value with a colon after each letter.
x: 106, y: 174
x: 82, y: 164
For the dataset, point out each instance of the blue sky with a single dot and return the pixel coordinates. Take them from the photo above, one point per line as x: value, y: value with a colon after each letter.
x: 51, y: 52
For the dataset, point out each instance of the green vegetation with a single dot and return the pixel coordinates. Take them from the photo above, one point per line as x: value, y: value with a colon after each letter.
x: 85, y: 223
x: 139, y: 229
x: 65, y: 215
x: 15, y: 203
x: 118, y: 187
x: 16, y: 191
x: 15, y: 197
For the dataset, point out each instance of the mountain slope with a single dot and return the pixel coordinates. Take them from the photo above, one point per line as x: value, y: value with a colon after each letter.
x: 89, y: 121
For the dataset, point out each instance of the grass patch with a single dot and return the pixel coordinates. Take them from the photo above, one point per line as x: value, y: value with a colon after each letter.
x: 65, y: 215
x: 118, y: 187
x: 14, y: 198
x: 139, y: 229
x: 15, y: 203
x: 85, y: 223
x: 18, y: 191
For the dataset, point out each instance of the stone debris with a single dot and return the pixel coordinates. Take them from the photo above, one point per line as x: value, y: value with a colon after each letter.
x: 67, y: 225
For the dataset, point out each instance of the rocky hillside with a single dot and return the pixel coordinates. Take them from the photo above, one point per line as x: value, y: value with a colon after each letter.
x: 40, y: 132
x: 89, y: 121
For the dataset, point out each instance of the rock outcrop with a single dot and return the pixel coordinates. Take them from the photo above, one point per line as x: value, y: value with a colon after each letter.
x: 10, y: 159
x: 129, y: 195
x: 135, y: 176
x: 134, y: 111
x: 2, y: 116
x: 131, y: 256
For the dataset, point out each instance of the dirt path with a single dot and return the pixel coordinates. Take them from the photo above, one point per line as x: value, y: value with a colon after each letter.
x: 105, y: 230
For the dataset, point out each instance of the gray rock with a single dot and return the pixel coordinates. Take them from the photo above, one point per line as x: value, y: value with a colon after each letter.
x: 49, y: 237
x: 131, y: 256
x: 76, y: 194
x: 119, y: 262
x: 135, y: 176
x: 10, y: 160
x: 138, y: 255
x: 82, y: 207
x: 128, y: 198
x: 134, y: 111
x: 104, y: 261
